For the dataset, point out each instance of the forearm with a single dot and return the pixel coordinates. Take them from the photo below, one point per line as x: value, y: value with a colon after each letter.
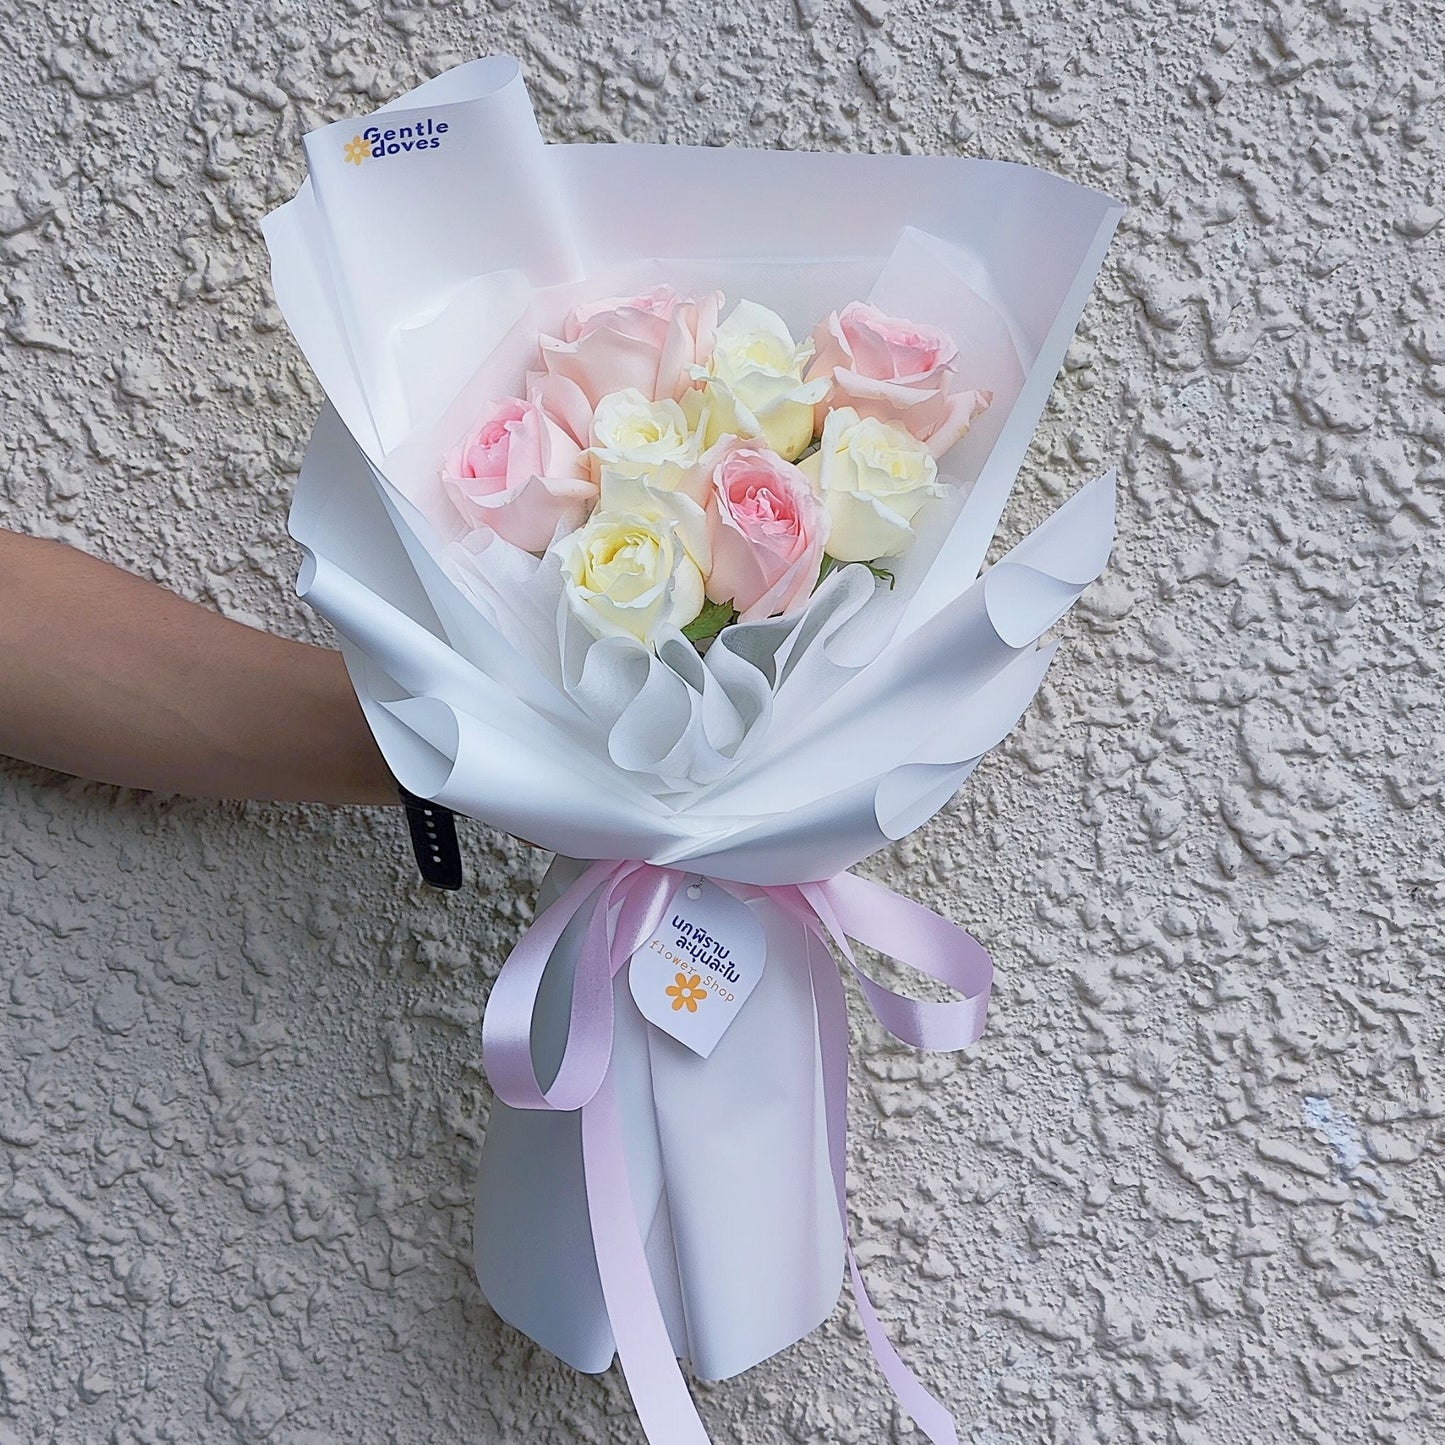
x: 110, y: 677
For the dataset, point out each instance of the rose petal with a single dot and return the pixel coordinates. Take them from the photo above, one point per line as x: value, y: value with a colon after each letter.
x: 964, y: 408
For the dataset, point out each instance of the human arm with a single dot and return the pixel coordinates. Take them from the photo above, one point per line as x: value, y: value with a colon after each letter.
x: 113, y: 678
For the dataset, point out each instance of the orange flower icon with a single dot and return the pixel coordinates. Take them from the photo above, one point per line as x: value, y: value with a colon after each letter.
x: 357, y: 150
x: 686, y: 993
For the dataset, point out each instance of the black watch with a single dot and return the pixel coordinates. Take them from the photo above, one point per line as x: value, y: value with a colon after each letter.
x: 434, y: 840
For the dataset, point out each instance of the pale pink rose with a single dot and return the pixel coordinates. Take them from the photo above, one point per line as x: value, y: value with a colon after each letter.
x: 767, y: 529
x: 644, y: 343
x: 900, y: 372
x: 520, y: 475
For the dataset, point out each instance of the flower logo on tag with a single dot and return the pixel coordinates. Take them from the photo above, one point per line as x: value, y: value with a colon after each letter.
x: 357, y: 150
x: 686, y: 993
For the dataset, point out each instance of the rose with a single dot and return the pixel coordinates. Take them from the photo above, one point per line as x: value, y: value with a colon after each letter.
x: 645, y: 343
x: 767, y: 528
x: 647, y: 315
x: 638, y: 565
x: 520, y: 475
x: 626, y: 575
x: 632, y: 436
x: 754, y: 382
x: 873, y: 478
x: 675, y: 508
x: 897, y: 371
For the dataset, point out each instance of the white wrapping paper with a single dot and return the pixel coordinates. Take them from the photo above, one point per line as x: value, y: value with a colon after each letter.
x: 415, y: 283
x: 704, y: 1139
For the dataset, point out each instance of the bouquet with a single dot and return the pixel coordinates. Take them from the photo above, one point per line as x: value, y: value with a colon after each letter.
x: 692, y: 595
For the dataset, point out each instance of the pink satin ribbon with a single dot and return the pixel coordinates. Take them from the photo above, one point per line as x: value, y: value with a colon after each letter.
x: 630, y: 901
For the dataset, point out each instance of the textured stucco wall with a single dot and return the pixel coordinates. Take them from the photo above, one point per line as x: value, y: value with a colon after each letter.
x: 1189, y: 1187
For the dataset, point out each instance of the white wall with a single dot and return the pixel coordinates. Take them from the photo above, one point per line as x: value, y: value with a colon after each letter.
x: 1188, y: 1188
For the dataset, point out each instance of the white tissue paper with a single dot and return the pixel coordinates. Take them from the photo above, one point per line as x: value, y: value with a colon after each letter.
x: 415, y: 281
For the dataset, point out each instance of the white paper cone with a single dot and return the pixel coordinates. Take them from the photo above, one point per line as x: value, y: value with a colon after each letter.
x: 729, y: 1168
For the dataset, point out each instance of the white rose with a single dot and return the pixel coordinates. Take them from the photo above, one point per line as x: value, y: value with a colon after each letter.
x: 632, y: 436
x: 873, y: 478
x: 662, y: 505
x: 629, y: 576
x: 755, y: 383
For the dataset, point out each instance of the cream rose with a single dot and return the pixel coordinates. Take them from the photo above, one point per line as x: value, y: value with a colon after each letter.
x: 647, y: 343
x: 873, y: 478
x: 665, y: 506
x: 632, y: 436
x: 767, y: 530
x: 755, y: 383
x: 897, y: 371
x: 626, y: 575
x: 520, y: 475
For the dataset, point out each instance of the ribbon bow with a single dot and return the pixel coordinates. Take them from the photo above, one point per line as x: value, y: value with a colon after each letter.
x: 631, y: 898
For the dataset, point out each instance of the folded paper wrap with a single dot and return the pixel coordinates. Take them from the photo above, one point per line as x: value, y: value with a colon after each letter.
x: 416, y: 278
x: 762, y: 1247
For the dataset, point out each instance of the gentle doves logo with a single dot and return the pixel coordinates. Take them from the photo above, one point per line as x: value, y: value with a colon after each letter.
x: 376, y: 144
x: 700, y: 966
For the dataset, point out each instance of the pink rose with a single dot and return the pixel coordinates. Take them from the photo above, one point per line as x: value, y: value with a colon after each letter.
x: 767, y: 530
x: 900, y: 372
x: 643, y: 343
x: 520, y: 475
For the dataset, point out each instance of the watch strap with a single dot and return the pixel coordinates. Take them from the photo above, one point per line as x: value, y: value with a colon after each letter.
x: 433, y: 830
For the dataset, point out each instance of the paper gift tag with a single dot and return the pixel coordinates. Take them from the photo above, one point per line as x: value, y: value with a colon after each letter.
x: 696, y: 971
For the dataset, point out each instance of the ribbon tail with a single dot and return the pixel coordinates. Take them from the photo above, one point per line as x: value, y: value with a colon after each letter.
x: 928, y: 1412
x: 511, y: 1008
x: 852, y: 907
x: 659, y: 1392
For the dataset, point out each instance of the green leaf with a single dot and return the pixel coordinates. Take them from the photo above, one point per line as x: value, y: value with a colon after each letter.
x: 832, y: 564
x: 710, y: 621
